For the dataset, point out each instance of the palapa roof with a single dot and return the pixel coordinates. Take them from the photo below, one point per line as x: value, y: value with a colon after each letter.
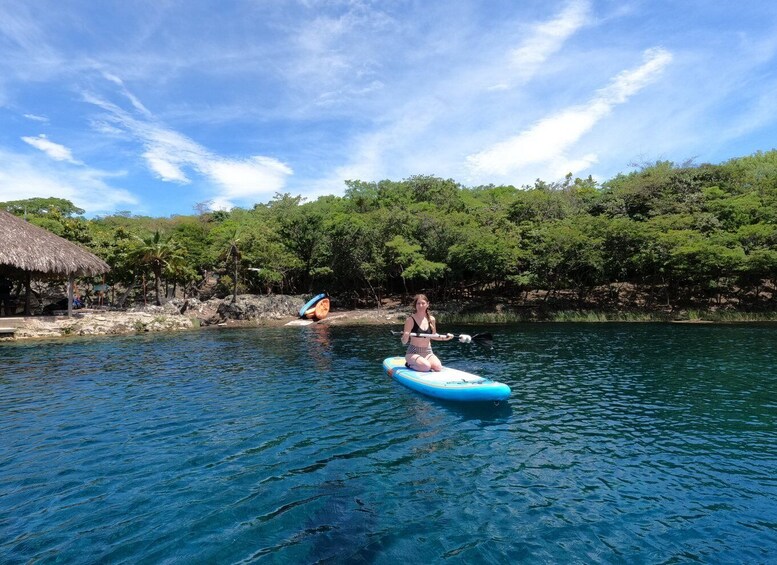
x: 27, y: 247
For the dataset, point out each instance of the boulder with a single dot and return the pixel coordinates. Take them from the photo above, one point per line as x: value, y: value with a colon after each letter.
x: 253, y: 307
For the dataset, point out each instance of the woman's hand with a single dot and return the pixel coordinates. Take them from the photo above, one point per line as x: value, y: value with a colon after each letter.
x: 448, y: 337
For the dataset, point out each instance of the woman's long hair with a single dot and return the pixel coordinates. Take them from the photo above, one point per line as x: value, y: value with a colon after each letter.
x: 432, y: 323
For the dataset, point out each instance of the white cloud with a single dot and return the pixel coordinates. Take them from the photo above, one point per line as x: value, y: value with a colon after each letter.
x: 247, y: 178
x: 169, y: 154
x: 374, y: 154
x: 22, y: 177
x: 548, y: 140
x: 220, y: 203
x: 439, y: 117
x: 546, y: 38
x: 242, y: 179
x: 165, y: 169
x: 54, y: 150
x: 136, y: 103
x: 330, y: 50
x: 364, y: 90
x: 629, y: 83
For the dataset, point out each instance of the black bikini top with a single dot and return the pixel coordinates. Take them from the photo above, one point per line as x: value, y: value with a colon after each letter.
x: 417, y: 329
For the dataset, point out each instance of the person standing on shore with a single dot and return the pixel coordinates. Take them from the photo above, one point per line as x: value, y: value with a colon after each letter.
x: 5, y: 296
x: 420, y: 356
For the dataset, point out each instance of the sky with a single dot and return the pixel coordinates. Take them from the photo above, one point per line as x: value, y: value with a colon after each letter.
x: 164, y: 107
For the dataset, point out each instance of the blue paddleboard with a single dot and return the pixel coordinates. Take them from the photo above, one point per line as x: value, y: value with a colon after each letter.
x: 448, y: 384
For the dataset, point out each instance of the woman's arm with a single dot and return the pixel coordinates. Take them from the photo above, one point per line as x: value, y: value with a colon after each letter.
x: 443, y: 337
x: 406, y: 331
x: 433, y: 326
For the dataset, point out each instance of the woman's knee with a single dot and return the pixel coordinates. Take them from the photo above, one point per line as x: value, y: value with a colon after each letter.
x: 420, y: 364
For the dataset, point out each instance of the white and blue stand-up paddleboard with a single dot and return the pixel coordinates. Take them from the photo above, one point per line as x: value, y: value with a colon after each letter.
x: 448, y: 384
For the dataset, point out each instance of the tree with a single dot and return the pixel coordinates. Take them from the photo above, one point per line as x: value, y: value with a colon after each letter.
x: 484, y: 257
x: 297, y: 237
x: 353, y: 252
x: 42, y: 207
x: 411, y: 263
x: 157, y: 254
x: 566, y: 254
x: 231, y: 253
x: 695, y: 262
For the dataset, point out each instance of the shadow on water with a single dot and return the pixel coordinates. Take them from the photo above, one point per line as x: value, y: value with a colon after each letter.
x: 486, y: 411
x: 342, y: 527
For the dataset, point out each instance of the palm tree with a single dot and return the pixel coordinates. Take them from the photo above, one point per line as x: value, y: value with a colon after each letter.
x: 156, y: 253
x: 231, y: 253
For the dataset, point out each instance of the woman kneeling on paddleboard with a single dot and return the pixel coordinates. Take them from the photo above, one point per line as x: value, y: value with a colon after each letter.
x: 419, y: 356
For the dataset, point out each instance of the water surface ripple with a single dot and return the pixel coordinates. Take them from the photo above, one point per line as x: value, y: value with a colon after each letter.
x: 634, y: 443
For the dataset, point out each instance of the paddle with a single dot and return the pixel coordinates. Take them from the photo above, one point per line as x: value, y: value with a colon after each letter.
x: 463, y: 338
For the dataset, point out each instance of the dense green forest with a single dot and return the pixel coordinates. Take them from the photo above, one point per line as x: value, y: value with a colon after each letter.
x: 672, y: 233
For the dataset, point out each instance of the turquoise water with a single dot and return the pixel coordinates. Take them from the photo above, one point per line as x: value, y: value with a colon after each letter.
x: 633, y: 443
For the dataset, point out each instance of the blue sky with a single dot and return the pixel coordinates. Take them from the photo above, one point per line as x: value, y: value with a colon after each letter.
x: 155, y: 106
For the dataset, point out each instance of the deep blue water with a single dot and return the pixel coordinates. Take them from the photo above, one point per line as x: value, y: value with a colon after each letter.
x: 633, y: 443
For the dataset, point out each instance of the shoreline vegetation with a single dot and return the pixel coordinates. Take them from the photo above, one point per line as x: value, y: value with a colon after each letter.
x: 664, y: 242
x: 279, y: 310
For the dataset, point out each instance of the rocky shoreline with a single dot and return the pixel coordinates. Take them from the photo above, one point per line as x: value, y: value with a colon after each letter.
x: 190, y: 314
x: 277, y: 310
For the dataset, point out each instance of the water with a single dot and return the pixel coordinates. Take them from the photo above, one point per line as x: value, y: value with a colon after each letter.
x: 634, y: 443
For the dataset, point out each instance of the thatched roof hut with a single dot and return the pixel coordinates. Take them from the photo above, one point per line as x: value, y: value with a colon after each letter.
x: 27, y: 247
x: 39, y: 253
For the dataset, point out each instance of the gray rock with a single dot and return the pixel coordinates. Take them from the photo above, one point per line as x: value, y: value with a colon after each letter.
x: 252, y: 307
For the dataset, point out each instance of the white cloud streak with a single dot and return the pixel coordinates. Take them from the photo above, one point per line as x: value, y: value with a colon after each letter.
x: 54, y: 150
x: 22, y: 177
x: 547, y: 38
x: 480, y: 92
x: 170, y: 154
x: 409, y: 136
x: 136, y: 103
x: 548, y: 140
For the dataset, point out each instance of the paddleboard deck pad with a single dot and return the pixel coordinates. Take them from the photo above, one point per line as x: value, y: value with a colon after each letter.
x: 448, y: 384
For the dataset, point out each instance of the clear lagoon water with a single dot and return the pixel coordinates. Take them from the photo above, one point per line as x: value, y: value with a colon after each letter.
x: 621, y: 443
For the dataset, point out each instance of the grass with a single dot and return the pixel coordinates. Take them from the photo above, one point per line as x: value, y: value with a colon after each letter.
x: 594, y: 316
x: 718, y: 316
x: 589, y: 316
x: 560, y: 316
x: 485, y: 318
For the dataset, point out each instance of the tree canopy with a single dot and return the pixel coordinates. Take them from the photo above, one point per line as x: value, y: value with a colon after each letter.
x: 682, y: 231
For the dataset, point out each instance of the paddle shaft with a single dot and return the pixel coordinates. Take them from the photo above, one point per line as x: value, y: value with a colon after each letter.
x: 413, y: 334
x: 476, y: 336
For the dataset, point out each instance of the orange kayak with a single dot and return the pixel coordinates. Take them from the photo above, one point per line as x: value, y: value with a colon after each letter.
x: 316, y: 309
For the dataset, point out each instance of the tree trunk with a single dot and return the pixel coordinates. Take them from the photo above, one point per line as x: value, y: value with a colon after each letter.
x: 157, y: 276
x: 234, y: 284
x: 123, y: 297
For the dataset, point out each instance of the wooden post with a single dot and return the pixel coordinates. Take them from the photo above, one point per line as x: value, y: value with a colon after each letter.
x: 27, y: 292
x: 70, y: 284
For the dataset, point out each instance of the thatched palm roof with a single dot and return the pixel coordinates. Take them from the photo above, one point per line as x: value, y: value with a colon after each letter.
x: 27, y: 247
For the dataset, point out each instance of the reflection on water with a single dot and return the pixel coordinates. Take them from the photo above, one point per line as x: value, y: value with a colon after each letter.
x: 319, y: 347
x: 621, y: 443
